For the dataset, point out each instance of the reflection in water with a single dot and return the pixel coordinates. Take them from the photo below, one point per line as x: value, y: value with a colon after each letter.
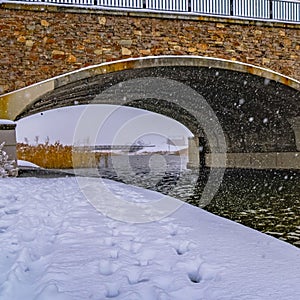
x: 266, y: 200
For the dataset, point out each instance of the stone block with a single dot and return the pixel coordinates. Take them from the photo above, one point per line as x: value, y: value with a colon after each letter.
x: 202, y: 47
x: 238, y: 160
x: 8, y: 136
x: 126, y: 51
x: 263, y: 160
x: 125, y: 43
x: 71, y: 59
x: 98, y: 51
x: 21, y: 39
x: 145, y: 52
x: 45, y: 23
x: 57, y: 54
x: 288, y: 160
x: 29, y: 43
x: 192, y: 49
x: 102, y: 20
x: 216, y: 160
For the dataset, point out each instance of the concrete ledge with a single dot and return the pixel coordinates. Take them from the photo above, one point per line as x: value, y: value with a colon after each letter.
x: 276, y: 160
x: 7, y: 126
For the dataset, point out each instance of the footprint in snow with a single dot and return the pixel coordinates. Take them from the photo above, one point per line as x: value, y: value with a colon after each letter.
x: 108, y: 241
x: 199, y: 271
x: 130, y: 246
x: 107, y: 267
x: 134, y: 274
x: 51, y: 292
x: 112, y: 290
x: 146, y: 256
x: 114, y: 253
x: 182, y: 247
x: 3, y: 229
x: 11, y: 212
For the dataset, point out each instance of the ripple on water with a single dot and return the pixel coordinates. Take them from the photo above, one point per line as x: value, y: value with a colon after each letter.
x: 266, y: 200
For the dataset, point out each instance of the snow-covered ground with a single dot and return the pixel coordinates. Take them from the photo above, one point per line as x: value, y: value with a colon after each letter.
x: 163, y: 147
x: 55, y: 245
x: 7, y: 122
x: 26, y: 164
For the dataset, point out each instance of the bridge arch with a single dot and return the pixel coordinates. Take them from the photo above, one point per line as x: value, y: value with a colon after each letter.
x: 257, y: 108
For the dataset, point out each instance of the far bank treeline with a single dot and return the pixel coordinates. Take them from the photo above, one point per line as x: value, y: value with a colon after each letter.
x: 58, y: 156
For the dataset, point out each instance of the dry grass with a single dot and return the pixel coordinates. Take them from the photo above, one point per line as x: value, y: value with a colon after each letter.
x: 58, y: 156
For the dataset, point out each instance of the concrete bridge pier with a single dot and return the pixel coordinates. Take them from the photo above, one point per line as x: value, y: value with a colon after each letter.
x: 8, y: 136
x: 193, y: 153
x: 295, y: 123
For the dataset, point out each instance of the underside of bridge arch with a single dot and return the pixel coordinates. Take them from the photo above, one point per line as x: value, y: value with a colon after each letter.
x: 255, y: 113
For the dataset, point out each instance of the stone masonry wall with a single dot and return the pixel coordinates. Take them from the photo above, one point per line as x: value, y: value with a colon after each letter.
x: 37, y: 42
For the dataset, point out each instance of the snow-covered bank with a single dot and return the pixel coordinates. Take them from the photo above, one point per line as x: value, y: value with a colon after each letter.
x: 55, y: 245
x: 26, y: 164
x: 7, y: 122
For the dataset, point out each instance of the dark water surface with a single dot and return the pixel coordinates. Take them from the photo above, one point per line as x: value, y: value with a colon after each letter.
x: 266, y: 200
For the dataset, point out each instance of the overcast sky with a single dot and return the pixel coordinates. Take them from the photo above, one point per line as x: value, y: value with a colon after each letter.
x: 99, y: 124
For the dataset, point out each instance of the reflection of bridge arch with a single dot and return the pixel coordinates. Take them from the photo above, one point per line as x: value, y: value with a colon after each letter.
x: 257, y: 108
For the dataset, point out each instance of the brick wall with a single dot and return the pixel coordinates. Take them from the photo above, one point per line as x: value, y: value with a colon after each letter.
x: 37, y: 42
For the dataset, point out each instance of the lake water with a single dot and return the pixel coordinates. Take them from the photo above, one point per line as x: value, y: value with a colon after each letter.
x: 266, y: 200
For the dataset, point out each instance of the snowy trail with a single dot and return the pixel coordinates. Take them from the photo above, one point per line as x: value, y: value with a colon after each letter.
x: 55, y: 245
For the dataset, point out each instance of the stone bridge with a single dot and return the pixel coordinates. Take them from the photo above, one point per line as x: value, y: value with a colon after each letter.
x: 258, y: 109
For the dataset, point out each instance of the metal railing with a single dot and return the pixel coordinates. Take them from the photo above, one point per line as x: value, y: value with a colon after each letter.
x: 167, y: 5
x: 286, y: 10
x: 277, y: 10
x: 215, y: 7
x: 252, y: 8
x: 120, y: 3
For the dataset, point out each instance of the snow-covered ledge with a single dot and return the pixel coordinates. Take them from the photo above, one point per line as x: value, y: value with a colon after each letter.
x: 8, y: 136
